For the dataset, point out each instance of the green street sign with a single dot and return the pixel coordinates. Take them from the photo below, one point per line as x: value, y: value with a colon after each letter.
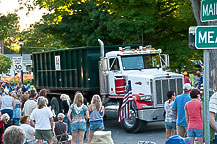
x: 206, y: 37
x: 208, y: 10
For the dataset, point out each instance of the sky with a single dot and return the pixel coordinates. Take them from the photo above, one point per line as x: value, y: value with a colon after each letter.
x: 25, y: 21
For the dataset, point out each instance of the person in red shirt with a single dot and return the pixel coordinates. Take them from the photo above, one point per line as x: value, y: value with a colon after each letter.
x: 193, y: 114
x: 187, y: 78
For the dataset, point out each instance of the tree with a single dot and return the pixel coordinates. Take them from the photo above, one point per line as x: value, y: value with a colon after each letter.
x: 82, y: 28
x: 162, y: 23
x: 9, y: 30
x: 213, y: 61
x: 5, y: 64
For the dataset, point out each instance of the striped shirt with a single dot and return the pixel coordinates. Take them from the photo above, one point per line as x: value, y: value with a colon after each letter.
x: 95, y: 115
x: 7, y: 102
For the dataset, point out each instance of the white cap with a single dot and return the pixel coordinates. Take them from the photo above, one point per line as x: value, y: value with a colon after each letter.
x: 6, y: 91
x: 186, y: 87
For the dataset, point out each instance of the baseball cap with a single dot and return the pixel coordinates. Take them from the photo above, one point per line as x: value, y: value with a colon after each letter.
x: 186, y: 87
x: 6, y: 91
x: 185, y: 73
x: 178, y: 140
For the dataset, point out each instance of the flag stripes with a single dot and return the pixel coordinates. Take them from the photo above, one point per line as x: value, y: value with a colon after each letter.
x: 127, y: 100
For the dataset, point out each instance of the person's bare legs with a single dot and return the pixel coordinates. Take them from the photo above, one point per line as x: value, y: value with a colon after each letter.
x: 81, y: 137
x: 90, y: 137
x: 168, y: 133
x: 40, y: 141
x: 174, y: 132
x: 74, y: 137
x: 50, y: 141
x: 192, y: 140
x: 199, y: 140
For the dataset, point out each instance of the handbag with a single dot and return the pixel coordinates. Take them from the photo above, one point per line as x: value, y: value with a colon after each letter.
x: 54, y: 138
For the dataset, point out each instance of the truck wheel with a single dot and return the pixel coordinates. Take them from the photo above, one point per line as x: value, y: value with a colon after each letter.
x: 55, y: 105
x: 133, y: 124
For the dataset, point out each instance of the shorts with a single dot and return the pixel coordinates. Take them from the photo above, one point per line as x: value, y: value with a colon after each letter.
x: 96, y: 125
x: 78, y: 126
x: 43, y: 134
x: 195, y: 132
x: 170, y: 125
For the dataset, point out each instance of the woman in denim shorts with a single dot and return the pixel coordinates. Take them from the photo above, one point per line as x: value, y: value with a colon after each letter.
x: 96, y: 111
x: 78, y: 122
x: 170, y: 118
x: 194, y: 117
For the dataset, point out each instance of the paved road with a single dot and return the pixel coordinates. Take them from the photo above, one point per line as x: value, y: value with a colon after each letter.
x: 154, y: 131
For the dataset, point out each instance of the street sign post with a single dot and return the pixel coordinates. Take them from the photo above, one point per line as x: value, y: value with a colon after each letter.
x: 208, y: 10
x: 206, y: 37
x: 17, y: 63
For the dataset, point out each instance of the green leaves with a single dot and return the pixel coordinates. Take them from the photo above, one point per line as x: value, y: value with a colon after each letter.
x: 161, y: 23
x: 8, y: 25
x: 5, y: 64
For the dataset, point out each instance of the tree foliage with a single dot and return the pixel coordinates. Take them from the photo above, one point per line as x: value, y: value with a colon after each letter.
x: 161, y: 23
x: 5, y: 64
x: 9, y: 30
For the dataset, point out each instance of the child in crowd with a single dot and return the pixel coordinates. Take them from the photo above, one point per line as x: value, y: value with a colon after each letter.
x: 78, y: 122
x: 17, y: 109
x: 96, y: 112
x: 61, y: 128
x: 170, y: 118
x: 193, y: 113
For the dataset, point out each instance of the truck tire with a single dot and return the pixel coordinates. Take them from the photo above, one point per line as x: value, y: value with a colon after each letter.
x: 133, y: 124
x: 55, y: 105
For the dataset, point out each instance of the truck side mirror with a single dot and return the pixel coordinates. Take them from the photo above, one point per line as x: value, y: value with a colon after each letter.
x: 165, y: 60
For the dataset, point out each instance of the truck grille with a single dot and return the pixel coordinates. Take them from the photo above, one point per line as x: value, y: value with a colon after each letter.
x: 165, y: 85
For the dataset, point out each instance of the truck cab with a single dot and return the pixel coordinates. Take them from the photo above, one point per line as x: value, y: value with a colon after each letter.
x: 145, y: 68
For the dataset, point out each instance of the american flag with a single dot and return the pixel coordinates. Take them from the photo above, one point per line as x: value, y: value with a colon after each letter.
x: 125, y: 107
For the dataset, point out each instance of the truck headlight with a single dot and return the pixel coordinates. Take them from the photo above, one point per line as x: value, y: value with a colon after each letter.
x: 144, y: 97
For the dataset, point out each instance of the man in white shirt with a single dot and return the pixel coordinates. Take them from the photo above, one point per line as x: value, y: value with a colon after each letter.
x: 30, y: 104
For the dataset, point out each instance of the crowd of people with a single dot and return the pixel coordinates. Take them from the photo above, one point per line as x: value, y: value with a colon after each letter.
x: 26, y: 111
x: 184, y: 112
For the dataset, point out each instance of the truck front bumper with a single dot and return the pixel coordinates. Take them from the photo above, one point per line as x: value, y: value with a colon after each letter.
x: 151, y: 114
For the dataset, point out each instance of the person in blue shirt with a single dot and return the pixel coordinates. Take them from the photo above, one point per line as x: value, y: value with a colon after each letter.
x: 178, y: 105
x: 200, y: 82
x: 27, y: 86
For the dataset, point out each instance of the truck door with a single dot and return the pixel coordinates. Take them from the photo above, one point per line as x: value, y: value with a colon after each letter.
x: 114, y: 74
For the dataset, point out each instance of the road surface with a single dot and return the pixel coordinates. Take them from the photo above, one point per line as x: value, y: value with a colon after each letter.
x: 154, y: 131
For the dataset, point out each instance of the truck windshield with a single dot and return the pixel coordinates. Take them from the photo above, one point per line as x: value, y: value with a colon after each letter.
x: 141, y: 62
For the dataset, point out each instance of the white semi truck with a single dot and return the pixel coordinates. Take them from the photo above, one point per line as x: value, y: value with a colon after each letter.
x: 106, y: 71
x: 145, y: 68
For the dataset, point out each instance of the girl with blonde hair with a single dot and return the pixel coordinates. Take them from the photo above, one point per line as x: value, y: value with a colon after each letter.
x: 78, y: 122
x: 17, y: 109
x: 96, y: 112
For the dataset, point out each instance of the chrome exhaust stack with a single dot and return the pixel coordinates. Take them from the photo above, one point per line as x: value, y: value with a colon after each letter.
x: 101, y: 48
